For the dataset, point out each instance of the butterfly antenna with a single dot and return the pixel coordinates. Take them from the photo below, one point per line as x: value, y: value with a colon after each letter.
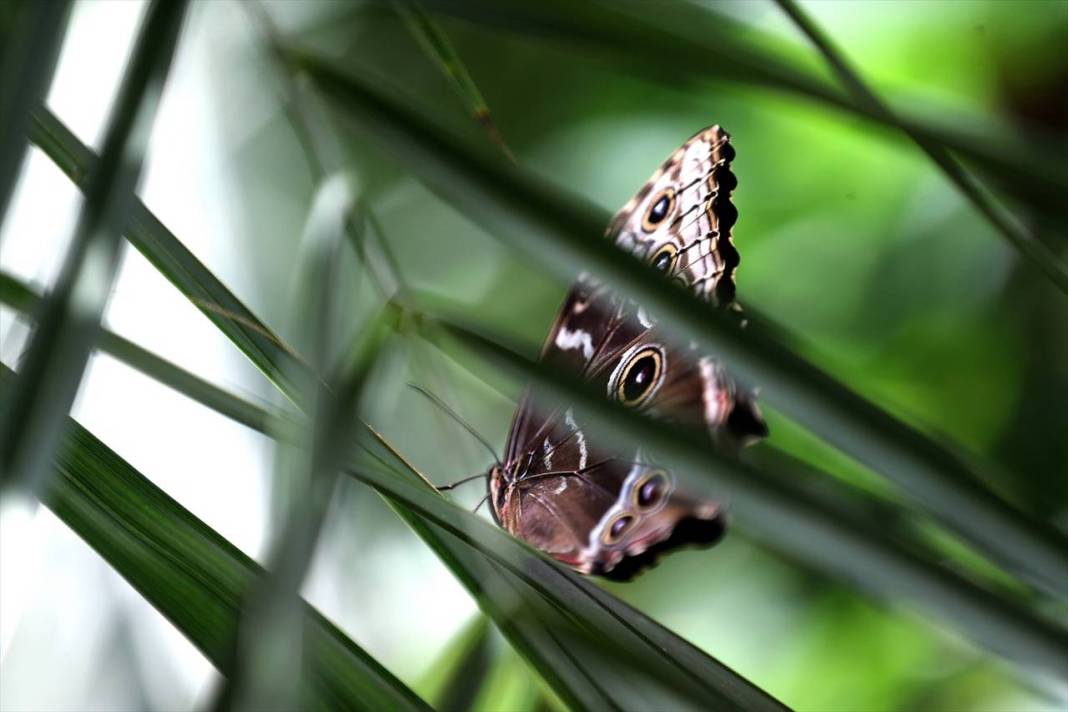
x: 456, y: 416
x: 457, y: 483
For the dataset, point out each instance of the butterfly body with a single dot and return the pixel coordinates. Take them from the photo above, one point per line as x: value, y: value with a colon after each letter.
x: 613, y: 512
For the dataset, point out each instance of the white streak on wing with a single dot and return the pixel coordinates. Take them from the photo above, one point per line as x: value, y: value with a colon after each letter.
x: 547, y: 457
x: 567, y: 340
x: 644, y: 318
x: 710, y: 391
x: 580, y: 437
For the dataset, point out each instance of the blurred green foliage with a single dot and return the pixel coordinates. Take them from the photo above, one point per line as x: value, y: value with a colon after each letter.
x: 850, y: 239
x: 852, y: 242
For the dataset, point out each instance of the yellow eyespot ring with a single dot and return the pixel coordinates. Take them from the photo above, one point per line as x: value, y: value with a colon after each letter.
x: 617, y: 527
x: 651, y: 490
x: 659, y: 209
x: 637, y: 377
x: 663, y: 260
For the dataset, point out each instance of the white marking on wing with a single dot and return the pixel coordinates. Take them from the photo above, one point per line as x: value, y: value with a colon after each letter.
x: 547, y: 457
x: 567, y: 340
x: 710, y: 392
x: 580, y: 438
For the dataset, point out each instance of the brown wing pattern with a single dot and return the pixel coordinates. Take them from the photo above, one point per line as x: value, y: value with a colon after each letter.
x: 681, y: 221
x: 614, y: 512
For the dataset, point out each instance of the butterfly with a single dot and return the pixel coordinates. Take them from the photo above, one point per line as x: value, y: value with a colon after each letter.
x: 613, y: 513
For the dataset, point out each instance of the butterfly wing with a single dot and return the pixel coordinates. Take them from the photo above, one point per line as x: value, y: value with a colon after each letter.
x: 612, y: 518
x: 614, y: 513
x: 681, y: 223
x: 681, y: 220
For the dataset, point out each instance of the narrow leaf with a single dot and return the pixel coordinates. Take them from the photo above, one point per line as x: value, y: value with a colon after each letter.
x: 269, y: 653
x: 871, y: 560
x: 192, y: 575
x: 561, y: 232
x: 439, y: 49
x: 317, y: 144
x: 1009, y: 228
x: 199, y: 278
x: 32, y: 34
x: 797, y: 519
x: 682, y: 42
x: 152, y: 239
x: 66, y: 330
x: 457, y: 675
x: 173, y: 252
x: 19, y: 296
x: 593, y: 650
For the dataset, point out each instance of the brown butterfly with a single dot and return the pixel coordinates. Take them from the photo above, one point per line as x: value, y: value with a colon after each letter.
x: 613, y: 513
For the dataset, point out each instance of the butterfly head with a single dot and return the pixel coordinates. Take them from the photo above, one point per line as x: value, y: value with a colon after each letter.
x: 498, y: 489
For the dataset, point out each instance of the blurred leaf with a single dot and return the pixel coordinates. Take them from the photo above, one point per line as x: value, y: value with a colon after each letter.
x: 318, y: 148
x: 684, y: 41
x: 844, y: 633
x: 457, y: 675
x: 269, y: 654
x: 439, y: 49
x: 854, y: 544
x: 687, y: 674
x: 22, y: 298
x: 67, y: 327
x: 509, y: 686
x: 818, y: 526
x: 31, y: 35
x: 159, y: 245
x: 920, y: 582
x: 1040, y: 255
x: 195, y: 577
x: 592, y: 649
x: 561, y: 232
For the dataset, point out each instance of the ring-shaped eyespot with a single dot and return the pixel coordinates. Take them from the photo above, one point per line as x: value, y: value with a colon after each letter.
x: 617, y: 528
x: 638, y: 375
x: 659, y: 209
x: 663, y: 260
x: 651, y: 490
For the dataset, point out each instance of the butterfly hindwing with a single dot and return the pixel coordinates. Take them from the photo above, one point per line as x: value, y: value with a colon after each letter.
x: 681, y: 220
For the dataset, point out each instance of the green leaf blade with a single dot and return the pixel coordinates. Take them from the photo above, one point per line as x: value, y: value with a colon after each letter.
x: 67, y: 329
x: 561, y: 232
x: 192, y: 575
x: 32, y: 34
